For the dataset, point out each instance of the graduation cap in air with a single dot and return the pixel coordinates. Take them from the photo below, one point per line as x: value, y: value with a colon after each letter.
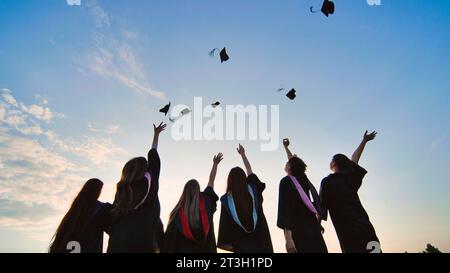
x: 182, y: 113
x: 327, y: 8
x: 165, y: 109
x: 292, y: 94
x: 223, y: 54
x: 214, y: 105
x: 280, y: 89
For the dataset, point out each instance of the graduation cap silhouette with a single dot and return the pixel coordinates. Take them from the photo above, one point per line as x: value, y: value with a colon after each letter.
x: 292, y: 94
x: 327, y: 8
x: 214, y: 105
x: 223, y: 54
x: 165, y: 109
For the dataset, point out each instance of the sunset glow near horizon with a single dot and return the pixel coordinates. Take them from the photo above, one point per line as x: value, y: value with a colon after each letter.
x: 81, y: 83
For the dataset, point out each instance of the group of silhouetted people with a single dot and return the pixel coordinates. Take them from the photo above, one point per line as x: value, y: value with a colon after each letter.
x: 134, y: 226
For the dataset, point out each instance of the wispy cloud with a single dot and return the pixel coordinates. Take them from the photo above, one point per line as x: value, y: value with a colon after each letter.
x: 113, y: 55
x: 39, y: 170
x: 109, y: 130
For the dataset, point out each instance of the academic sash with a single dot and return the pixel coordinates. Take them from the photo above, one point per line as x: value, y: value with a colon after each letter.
x: 149, y: 181
x: 305, y: 198
x: 185, y: 227
x: 233, y: 211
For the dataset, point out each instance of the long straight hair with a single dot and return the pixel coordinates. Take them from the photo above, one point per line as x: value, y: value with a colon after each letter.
x: 77, y: 218
x: 238, y: 187
x: 126, y: 198
x: 189, y: 200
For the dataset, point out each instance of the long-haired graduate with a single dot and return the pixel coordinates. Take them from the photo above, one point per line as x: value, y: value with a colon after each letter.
x: 298, y: 215
x: 137, y: 226
x: 243, y: 226
x: 84, y: 223
x: 190, y: 228
x: 339, y: 194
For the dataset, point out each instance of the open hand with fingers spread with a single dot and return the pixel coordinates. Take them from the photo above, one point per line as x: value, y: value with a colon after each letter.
x: 368, y: 137
x: 217, y: 158
x: 241, y: 150
x: 158, y: 129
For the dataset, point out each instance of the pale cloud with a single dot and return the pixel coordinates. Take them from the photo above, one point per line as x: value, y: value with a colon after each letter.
x: 109, y: 130
x: 114, y: 57
x: 2, y: 113
x: 25, y: 119
x: 30, y: 130
x: 41, y: 98
x: 98, y: 150
x: 15, y: 120
x: 9, y: 98
x: 40, y: 172
x: 39, y: 112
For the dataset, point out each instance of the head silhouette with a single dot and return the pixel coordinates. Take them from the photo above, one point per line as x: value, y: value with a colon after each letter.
x: 295, y: 166
x: 126, y: 196
x: 340, y: 163
x: 78, y: 216
x: 189, y: 200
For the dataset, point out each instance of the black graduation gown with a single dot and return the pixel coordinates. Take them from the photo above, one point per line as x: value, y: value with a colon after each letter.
x: 233, y: 238
x: 176, y: 242
x: 295, y: 216
x: 339, y: 194
x: 141, y: 230
x: 91, y: 240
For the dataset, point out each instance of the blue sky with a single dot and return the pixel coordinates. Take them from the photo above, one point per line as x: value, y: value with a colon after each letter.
x: 81, y: 86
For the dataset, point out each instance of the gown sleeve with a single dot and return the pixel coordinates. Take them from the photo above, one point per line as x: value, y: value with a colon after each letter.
x: 285, y: 214
x: 105, y: 217
x: 154, y: 167
x: 253, y: 179
x: 154, y: 162
x: 356, y: 176
x: 212, y: 198
x: 324, y: 200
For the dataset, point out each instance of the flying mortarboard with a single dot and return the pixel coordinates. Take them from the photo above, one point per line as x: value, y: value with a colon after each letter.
x: 165, y: 109
x: 223, y: 54
x: 182, y: 113
x: 327, y: 8
x: 292, y: 94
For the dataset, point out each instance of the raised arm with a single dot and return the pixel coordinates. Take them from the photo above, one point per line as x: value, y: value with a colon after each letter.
x: 212, y: 176
x: 157, y: 130
x: 358, y: 152
x: 247, y: 165
x: 286, y: 143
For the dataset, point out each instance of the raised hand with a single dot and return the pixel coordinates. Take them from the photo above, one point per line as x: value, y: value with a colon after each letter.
x: 368, y: 137
x: 158, y: 129
x: 286, y: 142
x: 212, y: 176
x: 358, y: 152
x: 217, y: 158
x: 241, y: 150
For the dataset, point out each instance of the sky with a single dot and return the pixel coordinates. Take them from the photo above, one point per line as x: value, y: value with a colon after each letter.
x: 81, y: 86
